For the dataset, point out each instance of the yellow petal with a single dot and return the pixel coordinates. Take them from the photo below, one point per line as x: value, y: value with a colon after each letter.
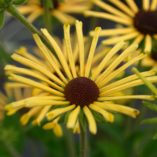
x: 73, y: 117
x: 90, y: 119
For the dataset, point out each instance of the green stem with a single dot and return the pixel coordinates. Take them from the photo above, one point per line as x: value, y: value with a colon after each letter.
x: 47, y: 16
x: 83, y: 142
x: 70, y: 143
x: 13, y: 11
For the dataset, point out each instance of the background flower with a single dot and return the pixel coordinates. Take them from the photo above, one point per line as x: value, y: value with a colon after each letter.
x: 60, y: 10
x: 139, y: 24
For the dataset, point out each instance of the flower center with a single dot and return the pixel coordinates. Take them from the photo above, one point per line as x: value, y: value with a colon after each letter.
x: 154, y: 56
x: 81, y: 91
x: 146, y: 22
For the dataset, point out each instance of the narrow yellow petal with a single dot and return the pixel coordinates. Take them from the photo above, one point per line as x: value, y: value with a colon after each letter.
x: 25, y: 9
x: 109, y: 17
x: 26, y: 117
x: 76, y: 129
x: 58, y: 130
x: 121, y: 69
x: 108, y: 116
x: 113, y: 31
x: 146, y: 4
x: 125, y: 37
x: 69, y: 49
x: 143, y: 97
x: 49, y: 125
x: 90, y: 119
x: 110, y: 9
x: 23, y: 52
x: 48, y: 56
x: 58, y: 52
x: 56, y: 112
x: 123, y: 7
x: 73, y: 117
x: 32, y: 73
x: 116, y: 62
x: 119, y: 108
x: 127, y: 80
x: 36, y: 102
x: 35, y: 84
x: 74, y: 7
x: 32, y: 17
x: 126, y: 86
x: 11, y: 112
x: 37, y: 67
x: 153, y: 5
x: 41, y: 115
x: 63, y: 17
x: 132, y: 5
x: 92, y: 51
x: 107, y: 58
x: 81, y: 47
x: 99, y: 56
x: 148, y: 44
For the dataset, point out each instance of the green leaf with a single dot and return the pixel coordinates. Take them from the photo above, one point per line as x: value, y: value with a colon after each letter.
x: 150, y: 121
x: 151, y: 106
x: 1, y: 19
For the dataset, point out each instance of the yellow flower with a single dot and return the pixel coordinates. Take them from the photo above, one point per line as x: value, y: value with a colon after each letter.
x: 72, y: 85
x: 61, y: 9
x: 138, y: 24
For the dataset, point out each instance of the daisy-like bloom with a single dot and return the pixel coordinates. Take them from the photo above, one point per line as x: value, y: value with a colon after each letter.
x: 61, y: 9
x: 138, y: 24
x: 72, y: 85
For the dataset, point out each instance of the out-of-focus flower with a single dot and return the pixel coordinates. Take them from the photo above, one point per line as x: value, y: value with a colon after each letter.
x: 61, y: 10
x: 71, y: 85
x: 139, y: 24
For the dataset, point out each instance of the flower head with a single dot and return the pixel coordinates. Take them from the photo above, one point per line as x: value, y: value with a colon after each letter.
x: 73, y: 84
x: 60, y: 9
x: 138, y: 24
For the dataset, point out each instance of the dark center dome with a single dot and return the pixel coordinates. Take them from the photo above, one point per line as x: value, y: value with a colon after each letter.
x: 146, y: 22
x: 81, y: 91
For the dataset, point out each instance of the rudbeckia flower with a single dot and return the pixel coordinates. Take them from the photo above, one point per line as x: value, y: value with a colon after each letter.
x: 138, y: 24
x: 72, y: 86
x: 60, y: 10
